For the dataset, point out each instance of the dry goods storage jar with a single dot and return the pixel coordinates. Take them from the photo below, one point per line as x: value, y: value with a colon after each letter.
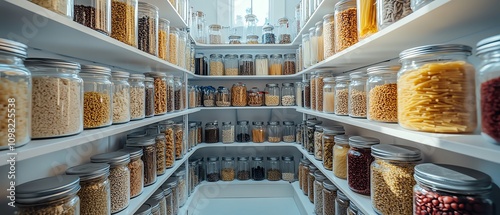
x: 382, y: 93
x: 287, y: 94
x: 216, y: 65
x: 389, y: 12
x: 243, y: 132
x: 261, y: 64
x: 172, y: 184
x: 288, y: 132
x: 57, y: 194
x: 320, y: 84
x: 353, y: 209
x: 167, y: 192
x: 327, y: 144
x: 417, y: 4
x: 147, y: 26
x: 228, y: 166
x: 160, y: 145
x: 136, y: 167
x: 436, y: 89
x: 193, y: 175
x: 168, y: 129
x: 97, y: 97
x: 309, y: 134
x: 255, y: 97
x: 179, y: 94
x: 149, y: 103
x: 276, y: 62
x: 95, y: 193
x: 306, y: 94
x: 273, y: 132
x: 137, y: 97
x: 298, y: 134
x: 318, y: 191
x: 329, y: 95
x: 145, y: 209
x: 359, y: 159
x: 313, y: 46
x: 392, y: 178
x: 310, y: 182
x: 170, y: 93
x: 284, y: 31
x: 329, y: 194
x: 489, y: 77
x: 227, y: 132
x: 243, y: 168
x: 246, y: 65
x: 341, y: 95
x: 299, y: 66
x: 211, y: 132
x: 193, y: 134
x: 209, y: 96
x: 95, y: 14
x: 148, y: 146
x: 302, y: 172
x: 180, y: 148
x: 312, y: 97
x: 289, y: 67
x: 306, y: 50
x: 340, y: 151
x: 181, y: 49
x: 272, y: 95
x: 268, y: 36
x: 160, y: 92
x: 367, y: 18
x: 63, y: 7
x: 328, y: 35
x: 214, y: 34
x: 231, y: 64
x: 317, y: 146
x: 163, y: 38
x: 182, y: 188
x: 319, y: 35
x: 250, y: 27
x: 297, y: 21
x: 258, y: 132
x: 223, y: 97
x: 56, y: 99
x: 273, y: 168
x: 258, y: 171
x: 252, y: 39
x: 357, y: 95
x: 159, y: 196
x: 119, y: 178
x: 192, y: 100
x: 212, y: 169
x: 465, y: 190
x: 239, y: 95
x: 173, y: 43
x: 341, y: 203
x: 121, y: 97
x: 154, y: 204
x: 124, y: 21
x: 287, y: 168
x: 234, y: 39
x: 298, y: 94
x: 346, y: 31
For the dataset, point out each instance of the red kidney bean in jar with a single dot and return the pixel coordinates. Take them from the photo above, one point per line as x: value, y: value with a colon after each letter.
x: 359, y: 159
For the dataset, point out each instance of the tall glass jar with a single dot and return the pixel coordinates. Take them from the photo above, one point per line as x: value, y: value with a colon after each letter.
x: 320, y: 83
x: 346, y: 31
x: 231, y: 64
x: 389, y: 12
x: 258, y: 132
x: 300, y: 61
x: 298, y: 134
x: 179, y: 92
x: 167, y: 192
x: 63, y: 7
x: 223, y: 97
x: 276, y: 62
x: 310, y: 134
x: 314, y: 46
x: 312, y: 92
x: 212, y: 169
x: 147, y: 25
x: 95, y: 14
x: 287, y: 94
x: 318, y: 192
x: 261, y: 64
x: 311, y: 177
x: 160, y: 89
x: 272, y: 95
x: 297, y: 20
x: 243, y: 169
x: 227, y: 132
x: 340, y: 151
x: 239, y: 95
x: 163, y: 38
x: 192, y: 102
x: 268, y: 36
x: 228, y: 167
x: 273, y: 169
x: 273, y: 132
x: 328, y: 141
x: 252, y: 39
x: 47, y: 195
x: 211, y: 132
x: 357, y: 95
x: 341, y: 203
x: 242, y: 132
x: 424, y: 72
x: 341, y: 95
x: 318, y: 140
x: 149, y: 103
x: 306, y: 50
x: 246, y: 65
x: 288, y: 132
x: 289, y: 67
x: 193, y: 134
x: 158, y: 198
x: 287, y: 168
x: 160, y: 145
x: 173, y: 43
x: 328, y: 35
x: 302, y: 173
x: 298, y: 94
x: 181, y: 186
x: 359, y: 159
x: 180, y: 148
x: 319, y: 37
x: 216, y: 65
x: 382, y: 93
x: 136, y: 167
x: 148, y: 146
x: 255, y: 97
x: 329, y: 194
x: 250, y: 27
x: 170, y: 93
x: 329, y: 95
x: 214, y: 34
x: 367, y: 18
x: 98, y: 91
x: 95, y: 193
x: 137, y: 97
x: 181, y: 48
x: 258, y: 169
x: 121, y: 97
x: 306, y: 94
x: 124, y: 21
x: 284, y: 31
x: 172, y: 184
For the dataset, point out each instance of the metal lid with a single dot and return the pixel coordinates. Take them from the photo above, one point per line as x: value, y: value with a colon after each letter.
x: 267, y: 27
x: 276, y: 56
x: 328, y: 16
x: 89, y: 171
x: 273, y: 158
x: 312, y: 168
x: 261, y: 56
x: 92, y: 69
x: 253, y: 36
x: 342, y: 78
x: 392, y: 69
x: 111, y: 158
x: 165, y: 21
x: 318, y: 23
x: 273, y: 123
x: 452, y: 178
x: 342, y: 196
x: 362, y: 142
x: 334, y: 129
x: 312, y: 29
x: 47, y: 189
x: 319, y: 176
x: 120, y: 74
x: 242, y: 122
x: 258, y: 123
x: 215, y: 27
x: 167, y: 190
x: 329, y: 185
x: 216, y: 56
x: 158, y: 195
x: 287, y: 84
x: 156, y: 74
x: 488, y: 44
x: 329, y: 80
x: 212, y: 158
x: 242, y: 158
x: 246, y: 56
x: 231, y: 56
x: 228, y: 158
x: 283, y: 20
x: 289, y: 55
x: 353, y: 207
x: 171, y: 182
x: 396, y: 152
x: 358, y: 75
x: 313, y: 122
x: 148, y: 79
x: 53, y: 63
x: 12, y: 47
x: 258, y: 158
x: 287, y: 157
x: 341, y: 139
x: 307, y: 162
x: 134, y: 152
x: 153, y: 203
x: 194, y: 124
x: 137, y: 76
x: 145, y: 209
x: 271, y: 85
x: 234, y: 37
x: 142, y: 141
x: 318, y: 127
x: 288, y: 123
x: 434, y: 49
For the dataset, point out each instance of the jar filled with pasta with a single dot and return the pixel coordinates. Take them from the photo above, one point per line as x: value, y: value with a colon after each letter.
x: 258, y: 132
x: 216, y: 65
x: 367, y: 18
x: 160, y: 89
x: 389, y: 12
x: 272, y: 95
x: 239, y: 95
x: 255, y: 97
x: 319, y: 35
x: 289, y: 67
x: 318, y: 138
x: 357, y: 95
x: 149, y: 157
x: 341, y: 95
x: 261, y: 64
x: 276, y: 62
x: 382, y: 93
x: 436, y: 89
x: 346, y: 31
x: 340, y: 149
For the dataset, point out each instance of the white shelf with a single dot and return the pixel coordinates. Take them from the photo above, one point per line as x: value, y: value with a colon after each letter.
x: 325, y: 7
x: 467, y: 144
x: 247, y: 108
x: 40, y: 147
x: 249, y: 144
x: 244, y: 46
x: 247, y: 77
x: 167, y: 11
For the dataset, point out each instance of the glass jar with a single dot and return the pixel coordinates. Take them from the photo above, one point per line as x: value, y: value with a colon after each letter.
x: 163, y: 32
x: 246, y: 65
x: 214, y: 34
x: 287, y: 168
x: 211, y: 132
x: 193, y: 133
x: 273, y: 169
x: 168, y: 129
x: 63, y: 7
x: 328, y: 143
x: 284, y: 31
x: 389, y: 12
x: 346, y: 31
x: 56, y: 98
x: 276, y: 67
x: 192, y: 96
x: 357, y: 95
x: 469, y: 189
x: 318, y: 192
x: 340, y: 151
x: 341, y: 203
x: 329, y: 193
x: 170, y: 93
x: 252, y: 39
x: 417, y: 4
x: 382, y: 93
x: 299, y: 59
x: 258, y: 169
x: 228, y: 169
x: 320, y: 83
x: 227, y: 132
x: 288, y: 132
x: 304, y: 177
x: 180, y: 149
x: 367, y: 18
x: 223, y: 97
x: 306, y: 50
x: 234, y: 39
x: 329, y: 95
x: 319, y: 35
x: 306, y: 94
x: 297, y: 20
x: 359, y: 159
x: 209, y: 96
x: 145, y: 209
x: 193, y: 175
x: 137, y: 97
x: 313, y: 46
x: 124, y: 21
x: 487, y: 51
x: 239, y: 95
x: 212, y: 169
x: 121, y: 97
x: 160, y: 89
x: 305, y: 11
x: 258, y: 132
x: 243, y: 169
x: 48, y: 195
x: 94, y: 190
x: 160, y: 145
x: 242, y: 132
x: 200, y: 132
x: 311, y: 177
x: 309, y: 134
x: 181, y: 186
x: 255, y: 97
x: 341, y: 95
x: 272, y: 95
x: 147, y: 25
x: 318, y: 140
x: 268, y: 36
x: 216, y: 65
x: 181, y: 49
x: 95, y: 14
x: 149, y: 104
x: 289, y: 67
x: 392, y: 178
x: 173, y: 43
x: 287, y: 94
x: 328, y: 35
x: 352, y: 210
x: 313, y: 99
x: 119, y: 177
x: 274, y: 132
x: 298, y: 94
x: 261, y: 64
x: 443, y: 71
x: 298, y: 134
x: 172, y: 184
x: 199, y: 96
x: 250, y: 25
x: 299, y: 171
x: 98, y: 91
x: 179, y: 92
x: 158, y: 198
x: 148, y: 146
x: 231, y: 64
x: 136, y: 167
x: 167, y: 191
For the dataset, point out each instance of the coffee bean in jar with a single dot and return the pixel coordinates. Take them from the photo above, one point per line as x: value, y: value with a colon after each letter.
x: 211, y: 132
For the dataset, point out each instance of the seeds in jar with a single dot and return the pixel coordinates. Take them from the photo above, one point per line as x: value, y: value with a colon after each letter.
x: 288, y: 176
x: 289, y: 68
x: 243, y: 175
x: 170, y: 154
x: 172, y: 48
x: 147, y: 35
x: 319, y: 93
x: 160, y: 96
x: 96, y: 109
x: 212, y: 177
x: 490, y: 107
x: 383, y: 103
x: 137, y: 103
x: 150, y: 103
x: 328, y: 153
x: 289, y: 138
x: 91, y: 17
x: 274, y: 139
x: 346, y: 31
x: 329, y: 202
x: 136, y: 177
x: 178, y: 105
x: 123, y: 22
x: 62, y: 207
x: 273, y: 174
x: 341, y: 102
x: 215, y: 39
x: 121, y: 106
x: 357, y: 103
x: 120, y: 188
x: 231, y: 71
x: 288, y: 100
x: 227, y: 174
x: 228, y: 136
x: 19, y: 92
x: 318, y: 145
x: 94, y: 197
x: 58, y: 6
x: 272, y: 100
x: 329, y: 38
x: 216, y: 68
x: 160, y: 146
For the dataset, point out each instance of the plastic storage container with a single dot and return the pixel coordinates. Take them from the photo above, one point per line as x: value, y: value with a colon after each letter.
x: 255, y: 97
x: 359, y: 159
x: 272, y: 95
x: 94, y: 193
x: 137, y: 97
x: 136, y: 167
x: 216, y: 65
x: 214, y: 34
x: 231, y: 64
x: 258, y: 132
x: 182, y: 186
x: 268, y: 36
x: 170, y: 93
x: 239, y: 95
x: 357, y: 95
x: 274, y: 132
x: 242, y: 132
x: 340, y: 151
x: 276, y: 62
x: 243, y: 168
x: 288, y: 132
x: 181, y: 49
x: 95, y: 14
x: 172, y: 184
x: 287, y: 168
x: 304, y: 175
x: 121, y: 97
x: 228, y: 167
x: 287, y: 94
x: 306, y: 94
x: 223, y: 97
x: 98, y: 91
x: 63, y: 7
x: 261, y: 64
x: 310, y: 129
x: 212, y: 169
x: 341, y: 95
x: 246, y: 65
x: 234, y: 39
x: 346, y: 31
x: 148, y: 146
x: 227, y: 132
x: 273, y: 169
x: 147, y: 25
x: 209, y: 96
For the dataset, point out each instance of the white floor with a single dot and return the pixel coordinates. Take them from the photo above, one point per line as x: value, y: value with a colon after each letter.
x: 245, y: 206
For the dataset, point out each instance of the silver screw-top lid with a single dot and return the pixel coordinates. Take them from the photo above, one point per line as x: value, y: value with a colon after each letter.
x: 158, y: 195
x: 120, y: 74
x: 355, y: 75
x: 258, y: 158
x: 234, y: 37
x: 258, y: 123
x: 228, y: 158
x: 341, y: 139
x: 329, y: 185
x: 153, y: 203
x: 246, y: 56
x: 243, y: 158
x: 487, y: 45
x: 47, y: 189
x: 111, y: 158
x: 137, y: 134
x: 392, y: 69
x: 253, y: 36
x: 261, y: 56
x: 273, y: 123
x: 155, y: 74
x: 243, y: 122
x: 148, y: 79
x: 329, y: 80
x: 273, y: 158
x: 93, y: 69
x: 334, y: 129
x: 342, y: 196
x: 89, y: 170
x: 49, y: 62
x: 452, y: 178
x: 353, y: 207
x: 271, y: 85
x: 171, y: 182
x: 212, y: 158
x: 134, y: 152
x: 143, y: 141
x: 288, y: 123
x: 276, y: 56
x: 145, y: 209
x: 319, y: 176
x: 342, y: 78
x: 287, y: 158
x: 434, y: 49
x: 287, y: 84
x: 12, y: 47
x: 396, y: 152
x: 362, y: 142
x: 137, y: 76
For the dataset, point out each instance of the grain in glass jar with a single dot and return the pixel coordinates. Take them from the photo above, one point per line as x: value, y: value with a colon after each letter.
x: 246, y: 65
x: 213, y: 169
x: 311, y: 177
x: 167, y: 191
x: 160, y: 145
x: 268, y: 36
x: 261, y: 64
x: 303, y: 164
x: 119, y: 177
x: 306, y: 94
x: 163, y: 32
x: 173, y: 43
x: 170, y: 93
x: 298, y: 134
x: 63, y: 7
x: 147, y: 25
x: 228, y: 166
x: 346, y: 31
x: 95, y: 14
x: 298, y: 94
x: 180, y: 148
x: 121, y: 97
x: 124, y: 22
x: 287, y: 168
x: 318, y: 191
x: 443, y: 72
x: 272, y: 95
x: 137, y: 97
x: 276, y: 62
x: 182, y: 184
x: 312, y: 81
x: 341, y: 95
x: 382, y: 93
x: 317, y: 145
x: 258, y: 169
x: 192, y: 135
x: 304, y: 177
x: 172, y: 184
x: 367, y: 18
x: 136, y: 167
x: 234, y: 39
x: 306, y: 50
x: 193, y: 175
x: 239, y: 95
x: 341, y: 203
x: 231, y: 64
x: 243, y: 132
x: 328, y: 142
x: 319, y: 36
x: 273, y: 169
x: 320, y: 84
x: 284, y: 31
x: 243, y: 168
x: 209, y: 96
x: 159, y: 197
x: 149, y: 102
x: 274, y: 132
x: 192, y: 102
x: 211, y: 132
x: 98, y: 91
x: 359, y: 159
x: 214, y: 34
x: 182, y: 48
x: 340, y: 151
x: 168, y: 129
x: 199, y: 138
x: 357, y: 95
x: 313, y: 46
x: 328, y: 35
x: 179, y: 94
x: 329, y: 95
x: 216, y: 65
x: 223, y: 97
x: 250, y: 27
x: 160, y: 92
x: 287, y: 94
x: 52, y: 195
x: 255, y: 97
x: 300, y: 61
x: 258, y: 132
x: 252, y: 39
x: 389, y: 12
x: 309, y: 135
x: 288, y: 132
x: 148, y: 146
x: 329, y: 194
x: 227, y: 132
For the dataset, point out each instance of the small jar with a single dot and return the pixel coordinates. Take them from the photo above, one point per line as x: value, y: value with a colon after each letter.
x: 170, y: 93
x: 227, y: 132
x: 273, y: 169
x: 228, y: 166
x: 329, y: 95
x: 329, y: 194
x: 119, y: 177
x: 313, y: 99
x: 211, y: 132
x: 341, y: 95
x: 261, y: 64
x: 172, y: 184
x: 136, y: 167
x: 340, y: 151
x: 276, y: 62
x: 231, y: 64
x: 352, y: 210
x: 147, y: 144
x: 216, y: 65
x: 367, y: 18
x: 298, y: 94
x: 98, y: 91
x: 341, y: 203
x: 212, y: 169
x: 121, y: 97
x: 288, y: 132
x: 63, y: 7
x: 200, y: 132
x: 289, y: 67
x: 193, y: 133
x: 160, y: 95
x: 239, y: 95
x: 309, y: 134
x: 160, y: 145
x: 274, y: 132
x: 137, y: 97
x: 234, y: 39
x: 252, y: 39
x: 250, y: 27
x: 168, y: 129
x: 306, y: 94
x: 246, y: 65
x: 328, y: 35
x: 417, y: 4
x: 320, y: 84
x: 243, y: 132
x: 306, y: 50
x: 328, y: 142
x: 173, y: 43
x: 209, y: 96
x: 382, y: 93
x: 192, y: 102
x: 442, y: 71
x: 214, y: 34
x: 390, y: 12
x: 298, y: 134
x: 284, y: 31
x: 346, y: 32
x: 318, y: 141
x: 179, y: 92
x: 180, y: 148
x: 357, y: 95
x: 311, y: 177
x: 49, y: 195
x: 287, y: 168
x: 149, y: 102
x: 255, y: 97
x: 287, y: 94
x: 163, y: 32
x: 272, y: 95
x: 359, y: 159
x: 243, y: 169
x: 313, y: 46
x: 147, y: 25
x: 258, y: 169
x: 95, y: 14
x: 318, y: 192
x: 268, y: 36
x: 319, y: 35
x: 258, y: 132
x: 304, y: 176
x: 95, y: 193
x: 469, y: 189
x: 181, y: 186
x: 223, y: 97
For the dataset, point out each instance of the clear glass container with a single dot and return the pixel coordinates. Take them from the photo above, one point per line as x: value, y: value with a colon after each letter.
x: 298, y: 134
x: 193, y: 175
x: 357, y: 95
x: 223, y: 97
x: 329, y: 194
x: 311, y: 177
x: 214, y: 34
x: 443, y: 71
x: 328, y: 35
x: 309, y: 134
x: 136, y: 167
x: 160, y: 145
x: 243, y: 169
x: 193, y: 134
x: 299, y: 59
x: 250, y: 27
x: 160, y: 89
x: 341, y: 203
x: 289, y: 67
x: 200, y: 64
x: 258, y: 132
x: 98, y: 91
x: 167, y: 191
x: 389, y: 12
x: 299, y: 171
x: 209, y: 96
x: 180, y: 148
x: 306, y: 50
x: 147, y: 25
x: 181, y: 48
x: 318, y: 192
x: 276, y: 62
x: 179, y: 92
x: 287, y: 94
x: 320, y: 83
x: 318, y: 140
x: 170, y: 93
x: 320, y: 39
x: 382, y: 92
x: 163, y: 38
x: 168, y: 129
x: 181, y: 186
x: 148, y: 146
x: 305, y: 11
x: 306, y: 94
x: 367, y: 18
x: 216, y: 65
x: 137, y: 97
x: 417, y: 4
x: 359, y: 159
x: 228, y: 166
x: 327, y: 143
x: 227, y: 132
x: 273, y: 169
x: 274, y: 132
x: 304, y: 177
x: 157, y: 203
x: 172, y: 184
x: 329, y: 95
x: 231, y: 64
x: 145, y: 209
x: 284, y: 31
x: 121, y: 97
x: 149, y: 103
x: 272, y: 95
x: 211, y: 132
x: 192, y: 102
x: 312, y: 97
x: 346, y: 31
x: 261, y: 64
x: 314, y: 46
x: 298, y: 94
x: 288, y: 132
x: 199, y: 96
x: 268, y: 36
x: 255, y: 97
x: 212, y: 169
x: 341, y: 95
x: 252, y: 39
x: 56, y: 99
x: 352, y: 210
x: 94, y: 193
x: 243, y: 132
x: 287, y: 168
x: 200, y: 132
x: 95, y: 14
x: 173, y: 43
x: 258, y: 169
x: 297, y: 20
x: 340, y: 151
x: 239, y: 95
x: 246, y: 65
x: 234, y: 39
x: 63, y: 7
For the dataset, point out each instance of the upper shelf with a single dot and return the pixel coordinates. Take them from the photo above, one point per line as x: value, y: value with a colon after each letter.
x: 325, y: 7
x: 246, y: 77
x: 167, y: 11
x: 244, y: 46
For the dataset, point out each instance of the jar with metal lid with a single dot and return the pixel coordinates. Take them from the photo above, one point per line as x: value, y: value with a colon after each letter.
x: 252, y: 39
x: 255, y: 97
x: 214, y: 34
x: 298, y: 94
x: 148, y: 146
x: 136, y: 167
x: 227, y: 132
x: 268, y: 36
x: 179, y: 92
x: 318, y: 192
x: 167, y: 192
x: 392, y: 178
x: 306, y: 50
x: 340, y: 151
x: 328, y: 143
x: 56, y: 98
x: 239, y: 95
x: 121, y: 97
x: 228, y: 166
x: 305, y: 12
x: 352, y: 210
x: 442, y: 71
x: 341, y: 95
x: 216, y: 65
x: 284, y: 31
x: 299, y: 171
x: 367, y: 18
x: 304, y: 176
x: 276, y: 62
x: 258, y: 132
x: 201, y: 64
x: 243, y: 169
x: 211, y: 132
x: 359, y: 159
x: 289, y: 67
x: 273, y: 169
x: 193, y: 175
x: 329, y: 193
x: 329, y: 95
x: 168, y: 129
x: 180, y: 148
x: 145, y: 209
x: 328, y: 35
x: 250, y: 27
x: 163, y: 38
x: 272, y: 95
x: 209, y: 96
x: 258, y: 169
x: 172, y: 184
x: 160, y: 145
x: 119, y: 177
x: 170, y: 93
x: 155, y: 206
x: 288, y: 132
x: 287, y: 168
x: 160, y: 89
x: 149, y: 102
x: 313, y: 99
x: 212, y: 169
x: 311, y: 177
x: 309, y: 134
x: 98, y: 91
x: 137, y: 96
x: 193, y: 133
x: 63, y: 7
x: 357, y: 95
x: 273, y: 132
x: 318, y: 141
x: 246, y: 65
x: 320, y: 84
x: 382, y: 93
x: 389, y: 12
x: 173, y: 45
x: 341, y: 203
x: 223, y: 97
x: 306, y: 94
x: 346, y: 31
x: 57, y: 194
x: 95, y: 193
x: 234, y: 39
x: 297, y: 20
x: 287, y: 94
x: 489, y: 78
x: 192, y: 96
x: 231, y: 64
x: 159, y: 196
x: 243, y: 132
x: 199, y: 96
x: 261, y: 64
x: 298, y: 134
x: 147, y: 25
x: 180, y: 174
x: 417, y: 4
x: 469, y: 189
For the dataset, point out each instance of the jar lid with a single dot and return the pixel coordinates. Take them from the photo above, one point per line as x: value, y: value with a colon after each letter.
x: 145, y: 209
x: 193, y: 124
x: 287, y: 157
x: 318, y: 23
x: 253, y: 36
x: 137, y: 76
x: 170, y: 76
x: 289, y: 55
x: 242, y: 158
x: 142, y: 141
x: 288, y: 123
x: 53, y: 63
x: 111, y: 158
x: 234, y: 37
x: 47, y: 189
x: 171, y: 182
x: 357, y: 75
x: 120, y: 74
x: 342, y: 196
x: 242, y: 122
x: 287, y: 84
x: 148, y: 6
x: 313, y: 122
x: 273, y: 158
x: 158, y: 195
x: 250, y: 17
x: 166, y: 190
x: 329, y: 185
x: 273, y: 123
x: 341, y: 2
x: 246, y: 56
x: 180, y: 172
x: 164, y: 21
x: 396, y: 152
x: 362, y: 142
x: 89, y: 171
x: 258, y: 158
x: 318, y: 128
x: 488, y: 44
x: 215, y: 27
x: 342, y: 78
x: 276, y: 56
x: 334, y: 129
x: 216, y: 56
x: 434, y: 49
x: 312, y: 168
x: 307, y: 162
x: 92, y: 69
x: 212, y: 158
x: 228, y: 158
x: 393, y: 69
x: 258, y: 123
x: 452, y: 178
x: 353, y: 207
x: 319, y: 176
x: 231, y: 56
x: 156, y: 74
x: 268, y: 27
x: 312, y: 29
x: 328, y: 16
x: 283, y: 20
x: 271, y: 85
x: 12, y: 47
x: 148, y: 79
x: 153, y: 203
x: 341, y: 139
x: 261, y: 56
x: 134, y: 152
